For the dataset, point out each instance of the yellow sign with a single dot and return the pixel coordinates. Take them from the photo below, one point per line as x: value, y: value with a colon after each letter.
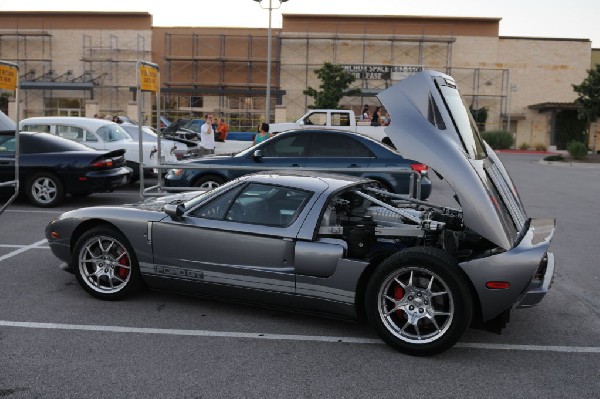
x: 148, y: 78
x: 8, y: 77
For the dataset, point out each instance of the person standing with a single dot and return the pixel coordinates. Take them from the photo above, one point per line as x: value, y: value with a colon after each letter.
x: 207, y: 136
x: 263, y: 133
x: 376, y: 118
x: 364, y: 117
x: 222, y: 130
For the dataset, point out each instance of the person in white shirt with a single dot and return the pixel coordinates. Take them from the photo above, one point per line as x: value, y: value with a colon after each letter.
x: 207, y: 136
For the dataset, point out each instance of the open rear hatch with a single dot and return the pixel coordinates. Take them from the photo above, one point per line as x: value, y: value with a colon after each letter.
x: 431, y: 124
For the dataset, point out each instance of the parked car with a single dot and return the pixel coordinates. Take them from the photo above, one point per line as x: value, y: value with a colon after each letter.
x: 330, y: 119
x: 420, y: 273
x: 181, y: 148
x: 309, y: 149
x: 102, y: 135
x: 51, y: 167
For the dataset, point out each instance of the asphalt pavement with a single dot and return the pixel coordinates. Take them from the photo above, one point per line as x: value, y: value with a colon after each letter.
x: 56, y: 341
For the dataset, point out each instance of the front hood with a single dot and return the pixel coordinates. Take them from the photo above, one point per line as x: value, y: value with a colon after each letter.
x: 431, y: 124
x: 158, y: 203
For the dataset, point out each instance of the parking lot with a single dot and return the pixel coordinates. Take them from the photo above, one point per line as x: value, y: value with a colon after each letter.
x: 57, y: 341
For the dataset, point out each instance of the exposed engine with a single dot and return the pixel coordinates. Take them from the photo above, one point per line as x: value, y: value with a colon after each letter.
x: 371, y: 220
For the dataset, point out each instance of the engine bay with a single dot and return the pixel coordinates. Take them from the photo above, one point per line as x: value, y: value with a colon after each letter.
x: 370, y: 220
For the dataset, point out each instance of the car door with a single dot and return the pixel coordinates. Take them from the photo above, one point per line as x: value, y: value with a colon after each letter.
x: 7, y: 162
x: 337, y: 152
x: 283, y: 152
x: 244, y: 238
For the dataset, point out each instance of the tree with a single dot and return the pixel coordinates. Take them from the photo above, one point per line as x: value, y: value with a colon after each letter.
x: 480, y: 116
x: 589, y: 95
x: 334, y: 85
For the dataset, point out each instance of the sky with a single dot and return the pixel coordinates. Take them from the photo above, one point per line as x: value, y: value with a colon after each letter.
x: 530, y: 18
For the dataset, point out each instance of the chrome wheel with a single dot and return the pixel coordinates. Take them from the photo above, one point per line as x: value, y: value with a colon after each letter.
x: 418, y: 301
x: 45, y: 189
x: 105, y: 264
x: 208, y: 182
x: 416, y: 305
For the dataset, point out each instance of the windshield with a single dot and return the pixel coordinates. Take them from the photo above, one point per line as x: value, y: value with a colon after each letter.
x: 467, y: 129
x: 6, y: 123
x: 113, y: 132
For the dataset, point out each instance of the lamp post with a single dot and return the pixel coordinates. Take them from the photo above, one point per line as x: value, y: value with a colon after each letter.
x: 268, y: 99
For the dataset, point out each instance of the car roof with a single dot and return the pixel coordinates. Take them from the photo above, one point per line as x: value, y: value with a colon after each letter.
x: 89, y: 123
x: 306, y: 179
x: 329, y: 131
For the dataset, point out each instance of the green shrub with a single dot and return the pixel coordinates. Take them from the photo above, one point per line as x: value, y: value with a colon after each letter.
x: 554, y: 158
x: 498, y: 139
x: 540, y: 147
x: 577, y: 150
x: 524, y: 146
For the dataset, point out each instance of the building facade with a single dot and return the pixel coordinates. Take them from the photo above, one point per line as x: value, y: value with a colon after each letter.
x: 82, y: 62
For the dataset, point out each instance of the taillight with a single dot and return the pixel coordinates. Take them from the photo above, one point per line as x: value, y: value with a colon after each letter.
x: 419, y: 167
x: 102, y: 163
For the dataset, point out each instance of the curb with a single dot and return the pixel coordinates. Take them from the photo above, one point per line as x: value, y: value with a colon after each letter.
x: 581, y: 165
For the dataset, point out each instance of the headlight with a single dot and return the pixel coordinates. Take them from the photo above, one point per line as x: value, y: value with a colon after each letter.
x: 176, y: 172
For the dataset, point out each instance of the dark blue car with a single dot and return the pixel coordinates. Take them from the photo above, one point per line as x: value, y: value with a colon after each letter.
x: 330, y: 150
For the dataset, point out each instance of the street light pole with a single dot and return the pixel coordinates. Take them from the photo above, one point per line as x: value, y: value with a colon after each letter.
x: 269, y: 45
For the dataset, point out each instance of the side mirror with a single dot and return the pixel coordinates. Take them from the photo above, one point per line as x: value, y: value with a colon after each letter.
x: 301, y: 122
x: 175, y: 212
x: 257, y: 155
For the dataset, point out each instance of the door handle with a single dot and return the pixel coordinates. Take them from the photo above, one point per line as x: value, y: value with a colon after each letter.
x: 6, y: 162
x: 353, y: 165
x: 295, y: 165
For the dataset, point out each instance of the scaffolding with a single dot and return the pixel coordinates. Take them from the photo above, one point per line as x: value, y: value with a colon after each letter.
x: 224, y: 74
x: 32, y: 50
x: 109, y: 62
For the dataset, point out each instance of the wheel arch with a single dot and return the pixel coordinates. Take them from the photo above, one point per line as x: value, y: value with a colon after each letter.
x: 378, y: 257
x: 88, y: 225
x: 28, y: 173
x: 215, y: 173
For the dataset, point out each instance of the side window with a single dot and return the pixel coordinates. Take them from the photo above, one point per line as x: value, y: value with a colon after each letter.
x: 316, y: 119
x: 37, y: 128
x: 216, y: 208
x: 340, y: 119
x: 104, y: 133
x: 267, y: 205
x: 289, y: 146
x: 90, y: 137
x: 434, y: 116
x: 7, y: 144
x: 337, y: 145
x: 70, y: 132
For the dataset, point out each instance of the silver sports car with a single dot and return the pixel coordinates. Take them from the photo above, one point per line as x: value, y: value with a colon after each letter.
x: 420, y: 273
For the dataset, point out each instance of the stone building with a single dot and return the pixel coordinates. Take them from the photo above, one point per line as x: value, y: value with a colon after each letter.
x: 82, y: 63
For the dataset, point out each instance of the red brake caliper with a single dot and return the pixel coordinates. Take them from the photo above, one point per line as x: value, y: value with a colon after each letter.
x: 121, y: 271
x: 399, y: 294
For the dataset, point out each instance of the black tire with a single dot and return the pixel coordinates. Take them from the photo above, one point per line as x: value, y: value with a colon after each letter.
x: 418, y: 301
x: 208, y: 182
x: 45, y: 189
x: 105, y: 264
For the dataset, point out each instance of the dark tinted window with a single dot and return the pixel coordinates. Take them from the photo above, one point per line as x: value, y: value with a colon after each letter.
x: 38, y: 143
x: 289, y: 146
x: 216, y: 208
x: 434, y: 116
x: 337, y: 145
x: 6, y: 123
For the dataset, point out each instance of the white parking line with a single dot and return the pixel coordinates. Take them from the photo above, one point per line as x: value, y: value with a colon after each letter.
x: 283, y: 337
x: 20, y: 246
x: 22, y: 249
x: 34, y: 211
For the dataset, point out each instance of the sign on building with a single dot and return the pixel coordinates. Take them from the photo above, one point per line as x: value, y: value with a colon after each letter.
x: 382, y: 72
